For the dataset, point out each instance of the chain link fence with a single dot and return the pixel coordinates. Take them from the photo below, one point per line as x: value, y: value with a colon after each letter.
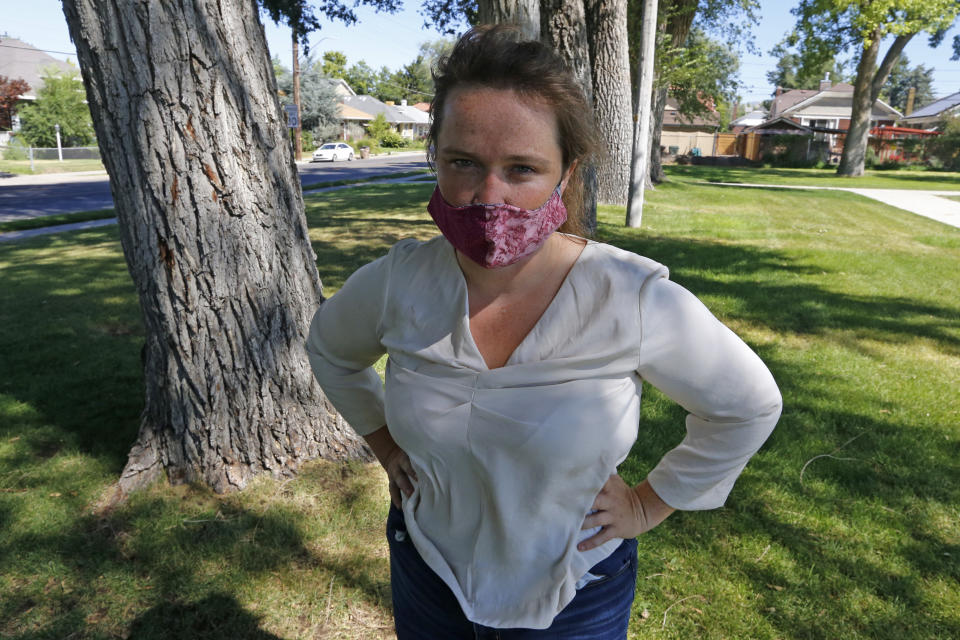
x: 49, y: 153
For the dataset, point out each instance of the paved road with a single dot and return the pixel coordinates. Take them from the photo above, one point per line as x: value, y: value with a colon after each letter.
x: 35, y: 196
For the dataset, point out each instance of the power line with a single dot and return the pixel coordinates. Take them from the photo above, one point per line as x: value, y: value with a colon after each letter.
x: 13, y: 46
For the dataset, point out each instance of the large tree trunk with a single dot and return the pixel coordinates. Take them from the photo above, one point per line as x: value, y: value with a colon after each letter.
x: 185, y: 107
x: 523, y: 13
x: 610, y: 70
x: 866, y: 90
x: 563, y: 27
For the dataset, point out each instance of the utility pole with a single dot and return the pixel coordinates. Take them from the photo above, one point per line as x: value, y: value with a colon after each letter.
x: 641, y: 128
x: 297, y: 144
x: 911, y: 96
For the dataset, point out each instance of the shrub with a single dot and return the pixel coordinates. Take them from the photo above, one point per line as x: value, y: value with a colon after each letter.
x: 392, y: 140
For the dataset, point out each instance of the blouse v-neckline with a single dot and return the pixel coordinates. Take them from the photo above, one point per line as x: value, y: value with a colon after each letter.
x: 465, y: 315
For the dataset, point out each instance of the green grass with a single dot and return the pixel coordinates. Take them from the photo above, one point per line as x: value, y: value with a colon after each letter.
x: 855, y: 307
x: 957, y: 198
x: 933, y: 180
x: 49, y: 166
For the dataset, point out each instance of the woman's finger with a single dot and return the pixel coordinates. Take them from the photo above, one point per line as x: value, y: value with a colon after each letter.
x: 401, y: 479
x: 606, y: 533
x: 394, y: 494
x: 407, y: 467
x: 598, y: 519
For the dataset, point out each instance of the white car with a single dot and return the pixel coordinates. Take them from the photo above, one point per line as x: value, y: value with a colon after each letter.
x: 333, y: 151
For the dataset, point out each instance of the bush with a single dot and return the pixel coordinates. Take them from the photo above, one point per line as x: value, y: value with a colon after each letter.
x: 392, y: 140
x: 307, y: 141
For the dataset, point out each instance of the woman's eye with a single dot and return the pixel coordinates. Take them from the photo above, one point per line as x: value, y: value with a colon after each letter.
x: 524, y: 169
x: 462, y: 163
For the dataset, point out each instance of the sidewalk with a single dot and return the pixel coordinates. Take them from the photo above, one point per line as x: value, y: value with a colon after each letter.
x: 928, y: 204
x: 13, y: 236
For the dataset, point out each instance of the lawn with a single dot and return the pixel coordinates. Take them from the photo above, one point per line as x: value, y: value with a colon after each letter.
x: 845, y: 525
x: 933, y: 180
x: 49, y: 166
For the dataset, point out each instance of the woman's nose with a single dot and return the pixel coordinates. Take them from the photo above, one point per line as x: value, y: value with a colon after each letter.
x: 490, y: 190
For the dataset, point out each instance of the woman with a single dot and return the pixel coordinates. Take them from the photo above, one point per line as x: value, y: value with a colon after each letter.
x: 516, y: 355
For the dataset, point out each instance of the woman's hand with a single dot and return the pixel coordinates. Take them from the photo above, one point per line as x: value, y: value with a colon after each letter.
x: 395, y: 462
x: 623, y: 512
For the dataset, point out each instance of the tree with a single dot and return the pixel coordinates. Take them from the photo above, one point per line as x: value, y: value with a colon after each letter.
x: 612, y: 102
x: 319, y: 103
x: 790, y: 72
x: 523, y: 13
x: 361, y: 78
x: 334, y: 64
x: 60, y: 101
x: 825, y: 27
x: 211, y: 222
x: 563, y: 27
x: 688, y: 67
x: 902, y: 78
x: 10, y: 91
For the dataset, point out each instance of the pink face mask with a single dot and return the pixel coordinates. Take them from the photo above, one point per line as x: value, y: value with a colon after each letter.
x: 497, y: 235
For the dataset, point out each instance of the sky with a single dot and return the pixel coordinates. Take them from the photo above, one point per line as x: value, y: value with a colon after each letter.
x: 393, y: 40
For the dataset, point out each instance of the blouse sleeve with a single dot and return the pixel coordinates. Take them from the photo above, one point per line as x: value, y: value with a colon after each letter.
x: 344, y: 343
x: 732, y: 399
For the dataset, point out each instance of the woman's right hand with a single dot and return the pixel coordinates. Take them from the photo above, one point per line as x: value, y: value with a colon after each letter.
x: 395, y: 462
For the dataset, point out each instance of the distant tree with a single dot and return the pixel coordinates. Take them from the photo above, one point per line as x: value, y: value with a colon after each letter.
x: 319, y: 103
x: 433, y: 50
x: 10, y: 91
x: 334, y: 64
x: 361, y: 78
x: 725, y: 27
x: 389, y: 85
x: 790, y: 72
x: 60, y: 101
x: 902, y: 77
x: 826, y: 27
x: 415, y: 80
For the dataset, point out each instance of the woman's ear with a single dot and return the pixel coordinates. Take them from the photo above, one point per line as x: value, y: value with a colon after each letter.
x: 567, y: 175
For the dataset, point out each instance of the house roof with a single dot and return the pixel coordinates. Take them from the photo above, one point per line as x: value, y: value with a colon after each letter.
x: 360, y: 106
x: 750, y: 119
x: 21, y: 60
x: 673, y: 117
x: 833, y: 102
x: 936, y: 108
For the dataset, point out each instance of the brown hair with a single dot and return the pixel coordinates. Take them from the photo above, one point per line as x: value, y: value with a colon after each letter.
x: 496, y: 57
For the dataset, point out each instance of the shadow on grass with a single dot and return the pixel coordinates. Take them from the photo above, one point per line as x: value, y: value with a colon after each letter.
x: 146, y: 554
x: 758, y: 285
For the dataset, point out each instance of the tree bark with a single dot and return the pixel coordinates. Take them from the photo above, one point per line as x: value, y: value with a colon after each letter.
x: 523, y: 13
x: 657, y: 175
x: 185, y: 107
x: 563, y: 27
x: 866, y: 90
x: 610, y: 71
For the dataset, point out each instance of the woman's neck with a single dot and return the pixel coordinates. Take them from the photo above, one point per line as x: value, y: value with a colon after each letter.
x: 524, y: 275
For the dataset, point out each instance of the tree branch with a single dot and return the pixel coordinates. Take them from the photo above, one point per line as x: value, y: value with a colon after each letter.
x: 893, y: 53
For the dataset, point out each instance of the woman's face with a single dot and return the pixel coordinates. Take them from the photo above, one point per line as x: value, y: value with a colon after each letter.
x: 495, y: 147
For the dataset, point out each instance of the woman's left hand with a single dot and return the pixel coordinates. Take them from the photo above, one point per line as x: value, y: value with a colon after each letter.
x: 623, y: 512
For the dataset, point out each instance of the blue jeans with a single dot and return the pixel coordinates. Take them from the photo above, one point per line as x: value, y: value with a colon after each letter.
x: 424, y: 608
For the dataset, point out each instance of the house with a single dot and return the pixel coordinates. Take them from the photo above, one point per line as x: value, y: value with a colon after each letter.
x: 408, y: 121
x: 930, y: 116
x: 21, y: 60
x: 824, y: 112
x: 687, y: 135
x: 830, y: 106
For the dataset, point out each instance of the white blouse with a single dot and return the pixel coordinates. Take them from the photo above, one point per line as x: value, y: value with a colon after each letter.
x: 510, y: 460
